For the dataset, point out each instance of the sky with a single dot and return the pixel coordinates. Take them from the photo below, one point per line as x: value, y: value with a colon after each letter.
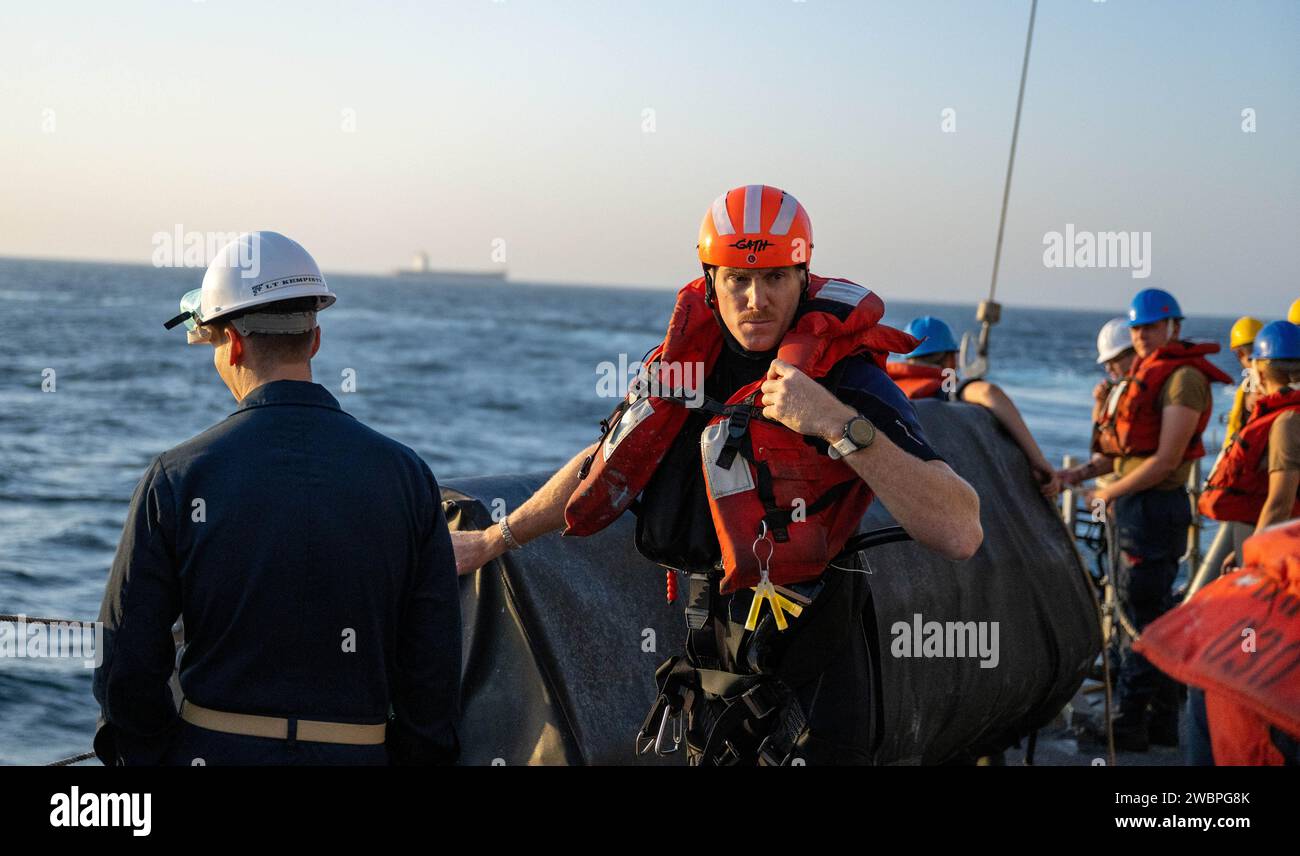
x: 583, y: 141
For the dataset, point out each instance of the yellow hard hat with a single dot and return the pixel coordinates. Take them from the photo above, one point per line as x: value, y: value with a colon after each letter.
x: 1245, y: 330
x: 1293, y: 314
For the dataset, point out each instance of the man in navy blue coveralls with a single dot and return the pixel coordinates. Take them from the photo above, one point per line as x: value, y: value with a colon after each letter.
x: 310, y: 561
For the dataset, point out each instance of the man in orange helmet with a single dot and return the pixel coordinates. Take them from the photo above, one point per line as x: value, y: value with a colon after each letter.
x: 756, y: 492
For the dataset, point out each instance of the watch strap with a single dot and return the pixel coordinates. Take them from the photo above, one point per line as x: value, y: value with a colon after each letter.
x: 841, y: 448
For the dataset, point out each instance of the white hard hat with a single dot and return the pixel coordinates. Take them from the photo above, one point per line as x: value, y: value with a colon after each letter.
x: 255, y: 269
x: 1113, y: 340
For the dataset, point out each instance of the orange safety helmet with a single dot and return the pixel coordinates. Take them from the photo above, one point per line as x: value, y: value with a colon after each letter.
x: 755, y: 226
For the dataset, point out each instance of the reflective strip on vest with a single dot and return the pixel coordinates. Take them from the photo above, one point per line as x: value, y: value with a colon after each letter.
x: 843, y: 292
x: 631, y: 418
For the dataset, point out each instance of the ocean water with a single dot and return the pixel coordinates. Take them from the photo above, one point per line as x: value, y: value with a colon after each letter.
x: 478, y: 379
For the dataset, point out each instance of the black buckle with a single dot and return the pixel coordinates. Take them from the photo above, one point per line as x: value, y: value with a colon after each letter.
x: 737, y: 425
x: 760, y: 701
x: 729, y: 756
x: 769, y: 756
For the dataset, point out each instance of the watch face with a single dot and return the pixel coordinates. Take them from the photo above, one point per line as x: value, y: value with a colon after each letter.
x: 861, y: 432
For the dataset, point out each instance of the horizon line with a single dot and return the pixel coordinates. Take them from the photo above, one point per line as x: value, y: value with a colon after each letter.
x: 391, y: 273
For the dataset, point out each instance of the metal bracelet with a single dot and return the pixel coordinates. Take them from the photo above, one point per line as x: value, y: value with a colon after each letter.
x: 506, y: 536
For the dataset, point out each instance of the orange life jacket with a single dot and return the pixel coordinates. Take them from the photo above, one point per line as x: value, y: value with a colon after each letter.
x: 756, y: 472
x: 1136, y: 421
x: 1104, y: 440
x: 1238, y: 487
x: 1239, y: 640
x: 917, y: 380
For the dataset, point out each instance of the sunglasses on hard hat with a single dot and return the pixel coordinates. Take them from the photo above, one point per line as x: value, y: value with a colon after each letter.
x: 195, y: 331
x: 189, y: 311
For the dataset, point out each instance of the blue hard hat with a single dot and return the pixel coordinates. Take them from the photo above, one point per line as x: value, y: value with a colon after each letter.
x: 938, y: 338
x: 1278, y: 340
x: 1152, y: 304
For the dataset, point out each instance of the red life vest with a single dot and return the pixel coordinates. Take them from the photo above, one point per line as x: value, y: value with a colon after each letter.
x: 1239, y: 640
x: 1238, y: 487
x: 756, y: 471
x: 1136, y: 422
x: 917, y: 380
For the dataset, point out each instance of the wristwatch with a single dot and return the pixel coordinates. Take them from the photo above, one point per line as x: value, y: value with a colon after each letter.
x: 859, y: 433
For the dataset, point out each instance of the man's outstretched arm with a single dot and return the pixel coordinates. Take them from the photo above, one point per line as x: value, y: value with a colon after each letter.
x: 991, y: 396
x: 543, y: 512
x: 937, y: 507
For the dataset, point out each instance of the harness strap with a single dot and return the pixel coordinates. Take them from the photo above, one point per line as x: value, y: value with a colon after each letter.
x: 765, y: 698
x: 699, y: 605
x: 778, y: 747
x: 778, y: 518
x: 741, y: 709
x: 733, y: 716
x: 702, y: 638
x: 737, y: 434
x: 711, y: 406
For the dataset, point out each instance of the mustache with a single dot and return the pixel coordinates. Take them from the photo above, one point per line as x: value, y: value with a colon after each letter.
x: 755, y: 316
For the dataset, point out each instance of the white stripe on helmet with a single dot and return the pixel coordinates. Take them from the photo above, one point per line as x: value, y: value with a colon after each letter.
x: 721, y: 220
x: 785, y: 216
x: 753, y: 209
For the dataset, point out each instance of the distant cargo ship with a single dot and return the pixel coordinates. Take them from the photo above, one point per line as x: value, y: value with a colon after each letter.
x: 420, y: 269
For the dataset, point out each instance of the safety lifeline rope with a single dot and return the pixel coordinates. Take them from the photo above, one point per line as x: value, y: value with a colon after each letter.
x: 990, y: 311
x: 1104, y: 605
x: 27, y: 619
x: 75, y: 759
x: 15, y: 619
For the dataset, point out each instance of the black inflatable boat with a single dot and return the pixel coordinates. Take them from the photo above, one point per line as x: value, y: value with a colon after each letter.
x: 562, y: 638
